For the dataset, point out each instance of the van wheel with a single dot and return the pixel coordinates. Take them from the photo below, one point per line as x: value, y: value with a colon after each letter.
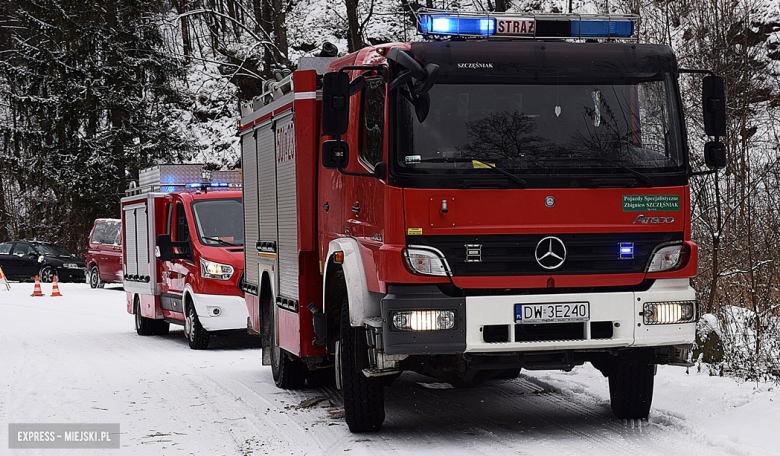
x: 143, y: 326
x: 47, y: 274
x: 631, y: 390
x: 94, y: 278
x: 288, y: 370
x: 364, y: 398
x: 196, y: 335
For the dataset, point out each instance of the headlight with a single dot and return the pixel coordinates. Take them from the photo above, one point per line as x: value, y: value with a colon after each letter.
x: 666, y: 313
x: 423, y: 320
x: 666, y: 258
x: 213, y: 270
x: 426, y: 261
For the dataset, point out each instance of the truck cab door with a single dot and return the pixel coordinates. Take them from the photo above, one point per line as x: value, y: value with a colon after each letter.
x: 366, y: 206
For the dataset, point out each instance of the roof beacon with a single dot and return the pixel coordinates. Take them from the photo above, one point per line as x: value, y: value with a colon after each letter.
x: 439, y: 23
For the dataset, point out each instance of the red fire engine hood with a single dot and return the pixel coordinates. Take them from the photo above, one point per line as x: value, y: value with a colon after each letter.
x: 233, y: 256
x: 545, y: 211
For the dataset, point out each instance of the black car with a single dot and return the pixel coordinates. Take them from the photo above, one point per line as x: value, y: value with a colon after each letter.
x: 23, y: 260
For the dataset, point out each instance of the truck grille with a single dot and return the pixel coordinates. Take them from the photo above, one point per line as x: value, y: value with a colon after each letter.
x: 513, y: 255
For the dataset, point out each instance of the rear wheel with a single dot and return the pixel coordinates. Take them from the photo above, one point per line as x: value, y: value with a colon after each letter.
x: 631, y: 390
x: 196, y: 335
x: 364, y: 397
x: 143, y: 326
x: 94, y: 277
x: 289, y: 371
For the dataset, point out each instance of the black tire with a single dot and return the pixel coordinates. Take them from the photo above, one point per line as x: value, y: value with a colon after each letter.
x: 196, y: 335
x: 288, y: 371
x: 47, y: 274
x: 631, y: 390
x: 143, y: 326
x: 319, y: 378
x: 94, y: 277
x: 161, y: 327
x: 364, y: 397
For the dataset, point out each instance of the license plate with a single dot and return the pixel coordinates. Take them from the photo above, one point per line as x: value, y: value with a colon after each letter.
x: 552, y: 313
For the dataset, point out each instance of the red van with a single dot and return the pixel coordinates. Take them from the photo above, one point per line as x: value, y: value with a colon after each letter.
x: 104, y: 255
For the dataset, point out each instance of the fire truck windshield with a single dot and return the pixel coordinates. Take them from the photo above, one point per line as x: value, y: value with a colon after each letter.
x: 219, y: 221
x: 626, y: 125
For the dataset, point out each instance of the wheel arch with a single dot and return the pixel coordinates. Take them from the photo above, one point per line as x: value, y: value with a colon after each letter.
x: 348, y: 279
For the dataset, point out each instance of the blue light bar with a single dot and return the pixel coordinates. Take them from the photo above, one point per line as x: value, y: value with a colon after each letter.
x: 439, y: 23
x: 194, y: 184
x: 626, y: 250
x: 602, y: 28
x: 455, y: 25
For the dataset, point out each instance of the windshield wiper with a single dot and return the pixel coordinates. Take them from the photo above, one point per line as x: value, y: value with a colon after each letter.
x: 644, y: 178
x: 219, y: 241
x: 521, y: 182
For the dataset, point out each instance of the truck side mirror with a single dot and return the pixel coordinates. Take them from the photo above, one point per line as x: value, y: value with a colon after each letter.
x: 335, y: 154
x: 335, y: 103
x: 164, y: 249
x: 714, y: 103
x: 715, y: 155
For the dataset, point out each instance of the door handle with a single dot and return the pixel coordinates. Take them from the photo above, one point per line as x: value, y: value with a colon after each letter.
x: 356, y: 208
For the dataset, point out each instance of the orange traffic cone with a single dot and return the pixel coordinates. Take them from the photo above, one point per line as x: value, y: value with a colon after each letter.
x: 55, y: 289
x: 37, y: 290
x: 4, y: 280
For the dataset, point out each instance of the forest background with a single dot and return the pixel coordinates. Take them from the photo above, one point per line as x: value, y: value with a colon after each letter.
x: 93, y: 91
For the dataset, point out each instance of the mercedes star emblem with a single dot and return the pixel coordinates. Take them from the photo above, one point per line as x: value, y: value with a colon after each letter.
x: 550, y: 253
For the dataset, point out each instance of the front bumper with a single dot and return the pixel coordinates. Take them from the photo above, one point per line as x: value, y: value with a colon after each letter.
x: 486, y: 324
x: 220, y: 312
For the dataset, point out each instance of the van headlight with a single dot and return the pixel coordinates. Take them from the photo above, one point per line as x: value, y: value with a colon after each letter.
x: 426, y: 261
x: 666, y: 258
x: 214, y: 270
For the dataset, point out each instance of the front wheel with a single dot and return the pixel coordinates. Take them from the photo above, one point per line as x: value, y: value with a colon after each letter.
x: 47, y: 274
x: 364, y: 397
x: 196, y: 335
x: 631, y: 390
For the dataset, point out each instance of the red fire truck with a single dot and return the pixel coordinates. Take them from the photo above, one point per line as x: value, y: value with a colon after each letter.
x: 511, y: 194
x: 183, y: 252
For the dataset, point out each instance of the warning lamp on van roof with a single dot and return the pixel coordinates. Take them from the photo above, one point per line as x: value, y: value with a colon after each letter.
x: 438, y: 23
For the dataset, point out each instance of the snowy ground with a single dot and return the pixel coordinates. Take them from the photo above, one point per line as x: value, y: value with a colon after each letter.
x: 77, y: 358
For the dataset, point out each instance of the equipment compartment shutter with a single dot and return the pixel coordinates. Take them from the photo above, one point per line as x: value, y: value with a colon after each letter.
x: 288, y: 207
x: 143, y: 241
x: 131, y: 244
x: 250, y: 184
x: 266, y: 178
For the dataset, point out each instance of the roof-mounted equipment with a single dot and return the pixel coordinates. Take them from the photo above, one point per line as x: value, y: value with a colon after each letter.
x: 450, y: 24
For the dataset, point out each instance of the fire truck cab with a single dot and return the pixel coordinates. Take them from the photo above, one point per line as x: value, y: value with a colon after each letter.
x: 183, y: 252
x: 511, y: 194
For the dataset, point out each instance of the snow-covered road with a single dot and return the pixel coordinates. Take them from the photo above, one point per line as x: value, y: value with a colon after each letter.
x: 77, y: 358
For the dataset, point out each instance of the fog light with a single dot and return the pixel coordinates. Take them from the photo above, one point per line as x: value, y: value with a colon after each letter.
x: 666, y: 313
x: 423, y: 320
x: 213, y: 311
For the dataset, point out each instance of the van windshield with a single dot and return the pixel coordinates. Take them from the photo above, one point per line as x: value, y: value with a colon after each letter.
x: 219, y: 221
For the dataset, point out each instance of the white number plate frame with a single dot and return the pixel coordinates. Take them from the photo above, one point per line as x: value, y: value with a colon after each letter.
x: 553, y: 312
